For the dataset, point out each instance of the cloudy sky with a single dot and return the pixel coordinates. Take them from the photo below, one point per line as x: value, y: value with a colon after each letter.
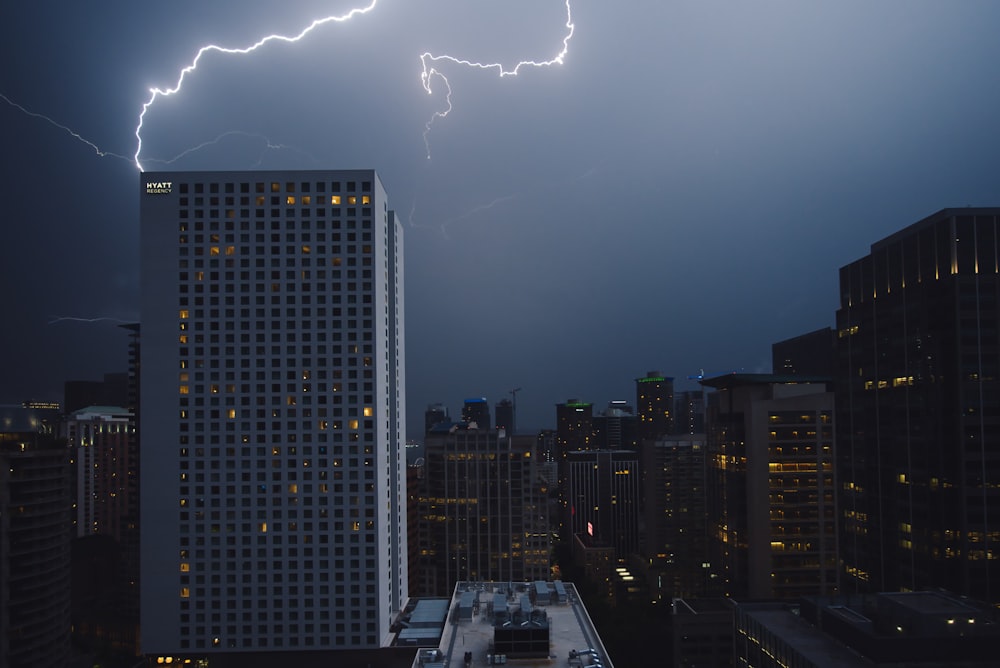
x: 678, y: 194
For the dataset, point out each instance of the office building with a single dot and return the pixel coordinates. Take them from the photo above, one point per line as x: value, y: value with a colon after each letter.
x: 483, y: 512
x: 654, y: 402
x: 504, y: 413
x: 616, y: 427
x: 673, y: 490
x: 272, y: 410
x: 920, y: 629
x: 702, y: 631
x: 918, y: 405
x: 98, y: 438
x: 689, y: 412
x: 603, y: 498
x: 770, y: 485
x: 34, y: 540
x: 434, y: 415
x: 476, y: 411
x: 809, y: 354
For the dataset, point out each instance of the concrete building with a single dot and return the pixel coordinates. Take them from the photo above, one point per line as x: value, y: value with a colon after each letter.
x: 673, y: 490
x: 918, y: 405
x: 770, y: 485
x: 483, y: 510
x: 35, y: 533
x: 98, y: 438
x: 603, y: 498
x: 272, y: 410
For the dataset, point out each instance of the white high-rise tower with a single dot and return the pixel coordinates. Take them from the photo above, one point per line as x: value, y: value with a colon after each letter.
x: 272, y: 407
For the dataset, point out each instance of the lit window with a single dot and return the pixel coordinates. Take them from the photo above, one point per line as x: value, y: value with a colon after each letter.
x: 184, y: 389
x: 232, y: 413
x: 183, y: 314
x: 365, y: 199
x: 368, y: 411
x: 334, y: 199
x: 214, y: 250
x: 185, y: 592
x: 352, y: 424
x: 352, y: 200
x: 290, y: 200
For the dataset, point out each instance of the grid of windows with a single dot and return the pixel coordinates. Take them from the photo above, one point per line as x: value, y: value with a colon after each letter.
x: 282, y: 443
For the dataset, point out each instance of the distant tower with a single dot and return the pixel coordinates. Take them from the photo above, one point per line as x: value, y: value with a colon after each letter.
x: 689, y: 412
x: 616, y: 427
x: 434, y: 415
x: 654, y: 402
x: 477, y: 410
x: 505, y: 415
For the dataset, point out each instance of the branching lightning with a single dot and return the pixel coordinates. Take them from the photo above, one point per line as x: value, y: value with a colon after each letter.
x: 268, y: 146
x: 154, y: 93
x: 430, y: 70
x: 70, y: 318
x: 69, y: 131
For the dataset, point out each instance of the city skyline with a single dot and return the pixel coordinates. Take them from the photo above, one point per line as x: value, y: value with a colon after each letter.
x: 636, y: 207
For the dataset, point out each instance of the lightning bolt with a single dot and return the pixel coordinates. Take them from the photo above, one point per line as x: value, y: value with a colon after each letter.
x: 69, y: 318
x: 429, y: 71
x: 155, y: 93
x: 69, y: 131
x: 268, y: 146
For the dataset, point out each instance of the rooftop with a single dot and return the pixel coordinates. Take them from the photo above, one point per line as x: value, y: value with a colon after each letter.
x: 537, y: 610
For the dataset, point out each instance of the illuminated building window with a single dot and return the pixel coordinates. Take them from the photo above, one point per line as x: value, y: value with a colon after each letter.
x: 184, y: 389
x: 334, y: 199
x: 290, y: 200
x: 183, y: 314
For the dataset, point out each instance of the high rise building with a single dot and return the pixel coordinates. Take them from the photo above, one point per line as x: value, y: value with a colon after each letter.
x: 98, y: 438
x: 673, y: 490
x: 483, y: 511
x: 689, y: 412
x: 35, y: 534
x: 434, y: 415
x: 616, y: 427
x: 477, y: 410
x: 603, y: 498
x: 504, y: 413
x: 770, y: 485
x: 918, y: 405
x: 272, y: 410
x: 809, y: 354
x: 654, y: 402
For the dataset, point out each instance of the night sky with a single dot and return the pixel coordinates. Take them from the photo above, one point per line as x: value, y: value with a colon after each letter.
x: 677, y: 195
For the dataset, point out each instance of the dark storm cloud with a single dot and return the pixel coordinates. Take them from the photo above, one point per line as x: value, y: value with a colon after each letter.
x: 678, y: 195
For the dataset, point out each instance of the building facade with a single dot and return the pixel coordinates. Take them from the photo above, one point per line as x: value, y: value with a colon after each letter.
x: 483, y: 509
x: 99, y: 438
x: 603, y: 497
x: 35, y: 533
x: 673, y: 490
x: 654, y: 403
x: 272, y: 404
x: 770, y: 483
x: 918, y: 400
